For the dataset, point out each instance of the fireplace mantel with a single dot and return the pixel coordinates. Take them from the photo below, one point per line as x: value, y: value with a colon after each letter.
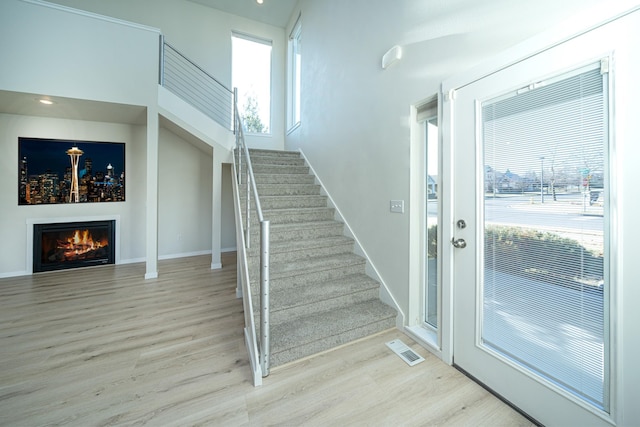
x: 32, y: 221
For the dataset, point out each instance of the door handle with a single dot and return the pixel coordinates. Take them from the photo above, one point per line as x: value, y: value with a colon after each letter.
x: 459, y: 243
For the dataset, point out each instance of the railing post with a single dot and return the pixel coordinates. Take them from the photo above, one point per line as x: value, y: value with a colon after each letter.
x: 247, y: 231
x: 265, y: 336
x: 235, y: 111
x: 239, y: 151
x: 161, y: 65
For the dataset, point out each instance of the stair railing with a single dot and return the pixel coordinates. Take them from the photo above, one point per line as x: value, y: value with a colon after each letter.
x: 244, y: 171
x: 189, y: 81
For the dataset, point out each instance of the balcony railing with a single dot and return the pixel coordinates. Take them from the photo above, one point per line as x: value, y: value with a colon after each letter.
x: 190, y: 82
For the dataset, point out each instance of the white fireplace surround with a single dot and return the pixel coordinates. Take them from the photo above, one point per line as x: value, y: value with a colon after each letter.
x: 32, y: 221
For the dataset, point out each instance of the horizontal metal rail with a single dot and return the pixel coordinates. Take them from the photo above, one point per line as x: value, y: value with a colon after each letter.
x: 193, y: 84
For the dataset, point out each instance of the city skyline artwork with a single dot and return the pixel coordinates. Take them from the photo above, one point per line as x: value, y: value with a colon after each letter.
x: 54, y: 171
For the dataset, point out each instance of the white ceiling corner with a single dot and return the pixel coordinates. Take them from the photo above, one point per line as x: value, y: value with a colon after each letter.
x: 272, y: 12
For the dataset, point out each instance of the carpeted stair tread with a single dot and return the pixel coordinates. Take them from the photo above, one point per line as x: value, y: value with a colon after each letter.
x: 321, y: 331
x: 315, y: 297
x: 294, y: 215
x: 288, y: 269
x: 287, y: 189
x: 302, y: 245
x: 274, y: 160
x: 275, y: 153
x: 283, y: 202
x: 301, y: 230
x: 279, y: 169
x: 289, y: 275
x: 301, y: 250
x: 284, y: 178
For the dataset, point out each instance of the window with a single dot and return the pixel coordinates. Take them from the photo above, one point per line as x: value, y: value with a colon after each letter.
x: 251, y: 75
x: 427, y: 114
x: 295, y: 56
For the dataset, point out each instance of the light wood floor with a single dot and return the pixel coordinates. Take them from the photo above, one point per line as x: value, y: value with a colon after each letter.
x: 103, y: 346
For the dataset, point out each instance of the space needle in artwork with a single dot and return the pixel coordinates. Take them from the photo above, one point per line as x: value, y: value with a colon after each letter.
x: 74, y: 153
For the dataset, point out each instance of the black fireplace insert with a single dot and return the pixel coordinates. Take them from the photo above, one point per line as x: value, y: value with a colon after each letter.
x: 65, y: 245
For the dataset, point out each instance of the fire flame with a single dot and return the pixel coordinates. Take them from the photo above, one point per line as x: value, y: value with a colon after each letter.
x: 81, y: 242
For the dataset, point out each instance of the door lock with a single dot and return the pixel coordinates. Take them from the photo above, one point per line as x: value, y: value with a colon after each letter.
x: 461, y: 224
x: 459, y: 243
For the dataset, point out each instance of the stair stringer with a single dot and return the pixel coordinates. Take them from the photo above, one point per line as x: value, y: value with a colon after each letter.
x: 370, y: 269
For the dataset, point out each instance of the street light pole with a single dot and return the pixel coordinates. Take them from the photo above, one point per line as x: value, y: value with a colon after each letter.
x: 541, y: 179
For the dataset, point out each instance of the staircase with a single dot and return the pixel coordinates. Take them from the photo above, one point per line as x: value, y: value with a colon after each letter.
x: 320, y: 296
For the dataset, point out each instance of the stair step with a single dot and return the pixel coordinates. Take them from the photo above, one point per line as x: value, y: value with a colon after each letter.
x: 280, y: 169
x: 273, y: 153
x: 287, y: 275
x: 317, y: 297
x: 287, y: 189
x: 277, y: 160
x: 294, y: 201
x: 284, y: 178
x: 293, y: 215
x: 300, y: 231
x: 321, y: 331
x: 304, y: 249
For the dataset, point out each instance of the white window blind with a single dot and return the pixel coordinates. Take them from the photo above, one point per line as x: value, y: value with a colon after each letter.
x: 545, y: 278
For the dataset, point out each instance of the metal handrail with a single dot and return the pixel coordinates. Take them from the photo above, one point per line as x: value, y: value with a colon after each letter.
x: 244, y: 290
x: 241, y: 148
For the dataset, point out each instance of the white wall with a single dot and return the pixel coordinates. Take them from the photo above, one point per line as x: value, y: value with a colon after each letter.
x: 13, y: 226
x: 184, y: 199
x: 50, y: 51
x: 355, y: 116
x: 203, y: 34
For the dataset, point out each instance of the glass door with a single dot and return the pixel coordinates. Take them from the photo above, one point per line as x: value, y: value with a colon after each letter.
x: 531, y: 269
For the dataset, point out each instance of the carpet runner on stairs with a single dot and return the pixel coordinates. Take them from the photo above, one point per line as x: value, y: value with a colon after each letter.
x: 320, y: 296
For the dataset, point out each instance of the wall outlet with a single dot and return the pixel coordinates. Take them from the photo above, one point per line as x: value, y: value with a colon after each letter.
x: 397, y: 206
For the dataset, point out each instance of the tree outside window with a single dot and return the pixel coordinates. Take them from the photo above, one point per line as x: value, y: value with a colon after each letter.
x: 251, y: 75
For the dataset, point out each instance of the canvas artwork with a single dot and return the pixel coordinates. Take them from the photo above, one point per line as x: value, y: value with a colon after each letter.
x: 52, y: 171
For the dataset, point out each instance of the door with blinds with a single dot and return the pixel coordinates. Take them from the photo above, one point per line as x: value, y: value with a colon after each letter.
x: 532, y: 204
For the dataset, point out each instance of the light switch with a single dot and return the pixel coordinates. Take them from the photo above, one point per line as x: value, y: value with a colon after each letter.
x: 397, y: 206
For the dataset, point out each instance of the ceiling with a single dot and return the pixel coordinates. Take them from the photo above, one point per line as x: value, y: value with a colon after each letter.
x: 70, y: 108
x: 272, y: 12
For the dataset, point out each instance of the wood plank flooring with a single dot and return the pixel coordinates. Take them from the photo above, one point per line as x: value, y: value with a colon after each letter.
x: 102, y: 346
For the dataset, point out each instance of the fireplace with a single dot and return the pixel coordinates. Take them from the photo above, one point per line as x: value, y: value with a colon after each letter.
x: 58, y: 246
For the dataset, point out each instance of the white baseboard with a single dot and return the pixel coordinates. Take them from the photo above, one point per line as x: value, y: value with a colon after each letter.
x: 132, y: 260
x: 184, y: 254
x: 14, y: 274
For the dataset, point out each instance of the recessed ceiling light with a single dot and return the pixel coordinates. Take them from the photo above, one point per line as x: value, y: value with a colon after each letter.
x: 260, y: 1
x: 45, y: 101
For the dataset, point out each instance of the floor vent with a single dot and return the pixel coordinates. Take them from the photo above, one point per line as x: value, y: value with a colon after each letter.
x: 405, y: 353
